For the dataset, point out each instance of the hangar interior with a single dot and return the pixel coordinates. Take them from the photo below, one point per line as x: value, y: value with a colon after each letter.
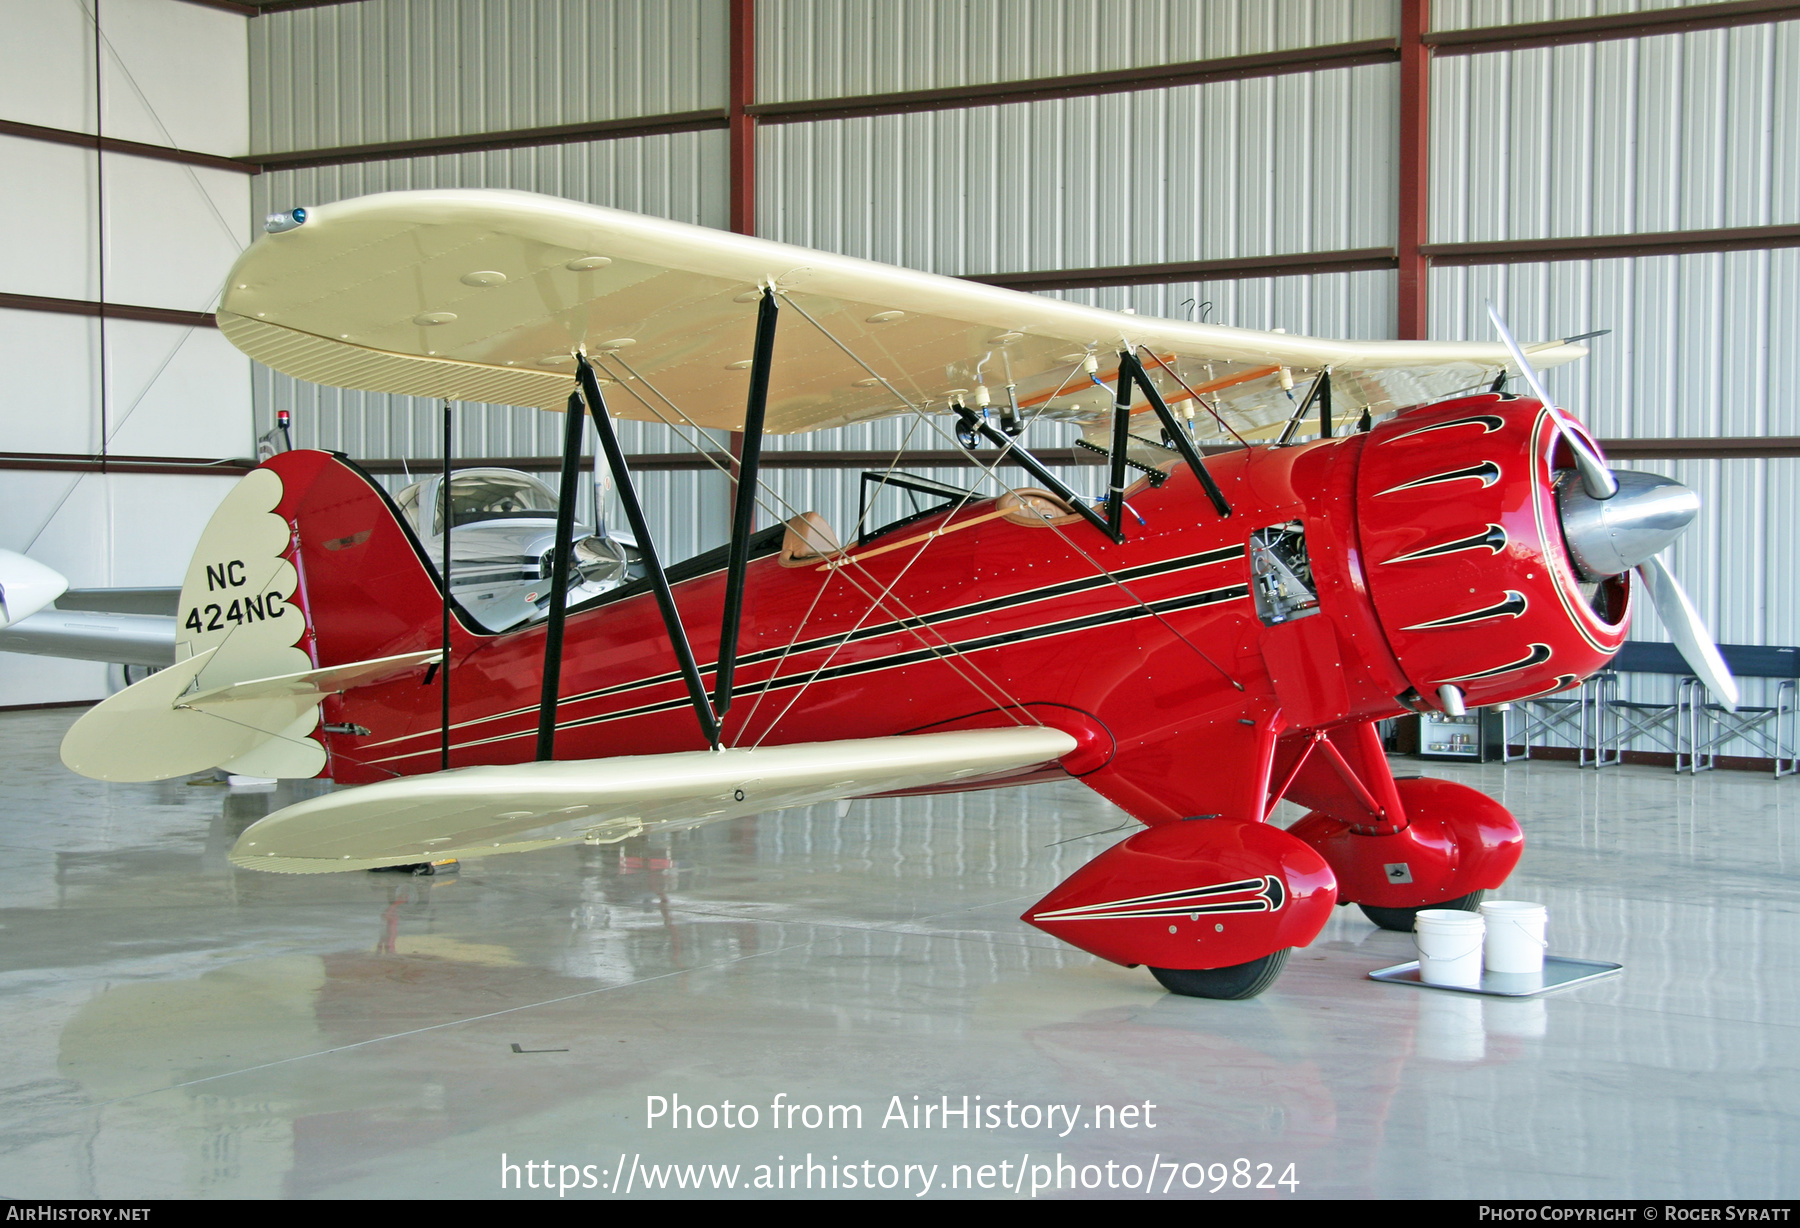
x: 1345, y: 168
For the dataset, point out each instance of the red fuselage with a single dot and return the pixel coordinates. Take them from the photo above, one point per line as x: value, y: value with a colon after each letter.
x: 1432, y: 542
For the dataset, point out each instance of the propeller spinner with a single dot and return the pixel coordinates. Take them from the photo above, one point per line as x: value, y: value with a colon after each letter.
x: 1614, y: 522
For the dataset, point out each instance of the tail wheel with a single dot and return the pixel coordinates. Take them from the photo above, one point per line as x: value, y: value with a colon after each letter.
x: 1402, y: 918
x: 1237, y: 981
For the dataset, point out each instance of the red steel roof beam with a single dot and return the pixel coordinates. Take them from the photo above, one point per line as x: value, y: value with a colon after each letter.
x: 1415, y: 147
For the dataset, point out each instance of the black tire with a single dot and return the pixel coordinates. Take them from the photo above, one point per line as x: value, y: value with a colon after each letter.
x: 1237, y: 981
x: 1402, y: 918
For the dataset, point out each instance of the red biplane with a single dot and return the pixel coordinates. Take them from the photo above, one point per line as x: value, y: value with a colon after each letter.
x: 1220, y: 631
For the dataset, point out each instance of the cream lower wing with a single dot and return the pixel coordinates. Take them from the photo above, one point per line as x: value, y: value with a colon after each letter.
x: 480, y: 811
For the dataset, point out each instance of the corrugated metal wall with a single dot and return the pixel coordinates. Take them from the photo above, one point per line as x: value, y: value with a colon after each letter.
x: 1687, y: 131
x: 1678, y: 131
x: 394, y: 70
x: 839, y: 48
x: 1466, y: 14
x: 1243, y: 168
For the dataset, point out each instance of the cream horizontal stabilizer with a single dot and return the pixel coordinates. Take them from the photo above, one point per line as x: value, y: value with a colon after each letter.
x: 484, y: 295
x: 310, y: 686
x: 480, y: 811
x: 163, y: 727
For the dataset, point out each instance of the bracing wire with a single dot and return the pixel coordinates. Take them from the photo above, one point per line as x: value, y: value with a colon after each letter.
x: 1218, y: 417
x: 907, y: 618
x: 1098, y: 566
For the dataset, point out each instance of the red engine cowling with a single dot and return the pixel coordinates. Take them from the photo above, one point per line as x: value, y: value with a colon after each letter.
x: 1465, y: 557
x: 1206, y: 893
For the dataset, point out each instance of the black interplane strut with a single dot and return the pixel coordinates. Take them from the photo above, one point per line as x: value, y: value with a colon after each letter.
x: 743, y: 514
x: 449, y: 520
x: 559, y: 581
x: 1121, y: 440
x: 659, y: 580
x: 973, y: 424
x: 1129, y: 364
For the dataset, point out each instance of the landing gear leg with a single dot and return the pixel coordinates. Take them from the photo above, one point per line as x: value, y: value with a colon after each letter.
x: 1237, y: 981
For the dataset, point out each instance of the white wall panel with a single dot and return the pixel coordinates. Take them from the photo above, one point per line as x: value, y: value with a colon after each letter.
x: 50, y: 397
x: 832, y: 48
x: 172, y: 73
x: 98, y: 530
x: 156, y: 521
x: 174, y: 390
x: 28, y: 680
x: 1684, y: 131
x: 47, y: 214
x: 390, y: 70
x: 173, y: 231
x: 176, y: 74
x: 60, y: 520
x: 174, y: 228
x: 109, y: 529
x: 47, y: 64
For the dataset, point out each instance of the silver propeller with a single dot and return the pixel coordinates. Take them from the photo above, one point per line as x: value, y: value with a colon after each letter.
x: 1595, y: 476
x: 1688, y: 632
x: 1616, y: 522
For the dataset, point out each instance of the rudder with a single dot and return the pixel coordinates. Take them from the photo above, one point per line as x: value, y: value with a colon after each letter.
x: 365, y: 585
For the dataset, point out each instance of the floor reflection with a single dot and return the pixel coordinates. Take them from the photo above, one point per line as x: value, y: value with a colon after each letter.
x: 181, y: 1028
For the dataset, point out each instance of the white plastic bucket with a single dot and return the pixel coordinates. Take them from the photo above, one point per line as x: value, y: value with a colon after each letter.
x: 1449, y: 942
x: 1515, y: 935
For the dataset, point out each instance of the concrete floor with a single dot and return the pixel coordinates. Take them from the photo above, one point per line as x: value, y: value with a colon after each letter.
x: 179, y: 1029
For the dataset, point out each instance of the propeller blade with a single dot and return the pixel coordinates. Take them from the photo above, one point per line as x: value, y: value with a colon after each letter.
x: 1691, y: 637
x: 1596, y: 478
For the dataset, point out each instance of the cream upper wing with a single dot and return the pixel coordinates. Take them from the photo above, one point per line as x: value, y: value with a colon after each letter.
x: 483, y: 295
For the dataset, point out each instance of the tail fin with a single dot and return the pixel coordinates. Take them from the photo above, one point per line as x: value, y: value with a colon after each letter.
x: 305, y: 565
